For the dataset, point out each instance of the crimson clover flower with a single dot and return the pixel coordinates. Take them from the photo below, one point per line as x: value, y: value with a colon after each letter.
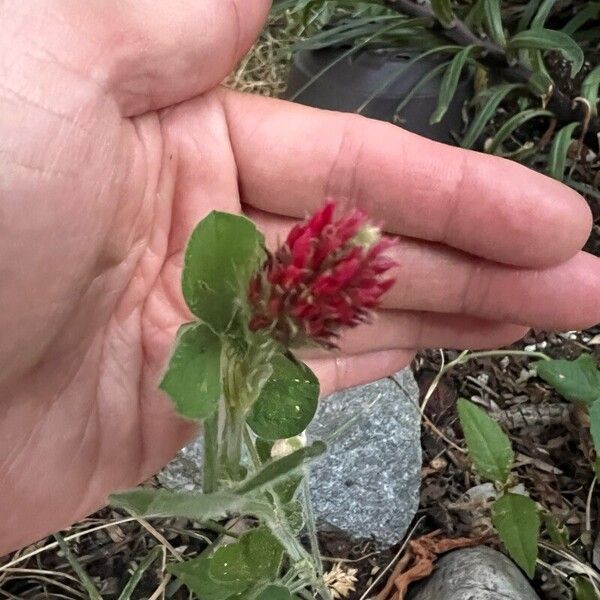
x: 328, y: 274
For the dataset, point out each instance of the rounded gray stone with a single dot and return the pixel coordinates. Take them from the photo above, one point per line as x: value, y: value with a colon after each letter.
x: 474, y: 574
x: 367, y: 484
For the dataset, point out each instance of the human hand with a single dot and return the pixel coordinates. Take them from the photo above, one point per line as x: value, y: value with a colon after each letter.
x: 116, y: 139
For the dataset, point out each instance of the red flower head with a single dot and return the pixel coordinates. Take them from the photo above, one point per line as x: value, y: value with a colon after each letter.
x: 329, y: 274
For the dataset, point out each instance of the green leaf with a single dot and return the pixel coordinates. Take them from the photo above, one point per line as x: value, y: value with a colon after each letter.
x: 584, y: 590
x: 450, y: 83
x: 223, y: 252
x: 443, y: 11
x: 146, y: 502
x: 548, y: 39
x: 396, y: 73
x: 559, y: 535
x: 263, y: 449
x: 517, y: 521
x: 136, y: 577
x: 196, y: 576
x: 288, y: 400
x: 493, y: 21
x: 595, y: 425
x: 591, y: 87
x: 576, y: 380
x: 581, y: 17
x: 84, y: 578
x: 513, y: 123
x: 275, y: 592
x: 540, y: 82
x: 352, y: 30
x: 276, y: 469
x: 487, y: 111
x: 432, y: 74
x: 294, y: 516
x: 193, y: 378
x: 557, y: 158
x: 254, y: 557
x: 286, y: 489
x: 489, y: 447
x: 474, y: 18
x: 539, y: 20
x: 529, y: 11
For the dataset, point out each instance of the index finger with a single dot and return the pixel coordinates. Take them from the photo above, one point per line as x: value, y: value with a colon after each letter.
x: 291, y: 157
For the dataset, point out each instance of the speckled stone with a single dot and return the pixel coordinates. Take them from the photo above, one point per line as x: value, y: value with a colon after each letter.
x: 474, y: 574
x: 367, y: 485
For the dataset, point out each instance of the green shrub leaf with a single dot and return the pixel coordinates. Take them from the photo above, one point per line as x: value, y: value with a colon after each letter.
x: 255, y: 557
x: 586, y: 13
x: 576, y: 380
x: 489, y: 447
x: 487, y: 111
x: 595, y: 425
x: 146, y: 502
x: 584, y: 590
x: 195, y: 575
x: 450, y: 83
x: 548, y: 39
x: 274, y: 470
x: 222, y: 253
x: 517, y: 521
x: 559, y: 535
x: 493, y: 21
x: 288, y: 400
x: 443, y: 11
x: 137, y: 575
x: 527, y: 15
x: 557, y: 158
x: 275, y: 592
x: 193, y: 378
x: 591, y: 87
x: 513, y: 123
x: 541, y: 15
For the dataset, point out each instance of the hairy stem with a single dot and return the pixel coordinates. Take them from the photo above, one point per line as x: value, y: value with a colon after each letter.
x: 310, y: 524
x: 211, y: 454
x: 235, y: 424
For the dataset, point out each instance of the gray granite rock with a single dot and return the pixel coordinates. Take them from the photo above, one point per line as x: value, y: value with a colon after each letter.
x: 367, y: 485
x: 474, y: 574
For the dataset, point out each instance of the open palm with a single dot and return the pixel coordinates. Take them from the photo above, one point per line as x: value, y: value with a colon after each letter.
x: 116, y: 139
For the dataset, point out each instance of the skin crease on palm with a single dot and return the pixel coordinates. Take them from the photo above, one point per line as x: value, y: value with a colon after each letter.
x: 116, y: 139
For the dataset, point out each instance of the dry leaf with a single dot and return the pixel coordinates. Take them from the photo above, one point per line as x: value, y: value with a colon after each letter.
x: 418, y: 562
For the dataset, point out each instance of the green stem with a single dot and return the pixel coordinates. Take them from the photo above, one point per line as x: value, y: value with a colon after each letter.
x: 84, y: 578
x: 211, y: 454
x: 235, y: 424
x: 311, y: 525
x: 467, y: 356
x: 251, y: 449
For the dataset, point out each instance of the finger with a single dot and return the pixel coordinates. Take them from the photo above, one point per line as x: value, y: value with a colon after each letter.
x: 437, y: 278
x: 393, y: 329
x: 152, y: 54
x: 291, y: 157
x: 343, y: 371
